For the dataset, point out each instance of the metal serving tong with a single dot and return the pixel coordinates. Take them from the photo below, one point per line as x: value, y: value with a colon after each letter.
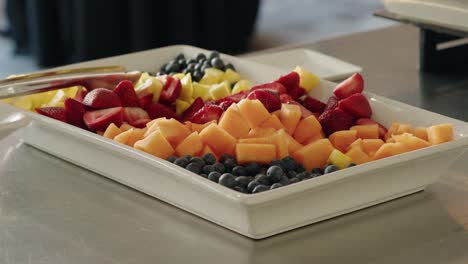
x: 93, y: 77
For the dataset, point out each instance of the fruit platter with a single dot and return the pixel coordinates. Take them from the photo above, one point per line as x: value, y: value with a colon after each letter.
x: 249, y: 147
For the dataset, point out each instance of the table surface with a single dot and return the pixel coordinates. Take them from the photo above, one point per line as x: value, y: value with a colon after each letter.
x: 54, y: 212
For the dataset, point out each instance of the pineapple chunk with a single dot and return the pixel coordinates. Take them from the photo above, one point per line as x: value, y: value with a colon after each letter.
x: 339, y: 159
x: 201, y: 90
x: 231, y: 76
x: 187, y: 87
x: 308, y: 80
x: 178, y: 76
x: 181, y: 106
x: 220, y: 90
x: 242, y: 85
x: 218, y: 74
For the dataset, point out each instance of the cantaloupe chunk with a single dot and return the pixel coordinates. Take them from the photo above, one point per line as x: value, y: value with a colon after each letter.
x: 171, y: 129
x: 124, y: 136
x: 293, y: 145
x: 276, y: 113
x: 357, y: 155
x: 440, y: 133
x: 290, y: 116
x: 125, y: 126
x: 314, y: 155
x: 314, y: 138
x: 111, y: 131
x: 206, y: 150
x: 390, y: 140
x: 253, y: 112
x: 188, y: 125
x: 261, y: 132
x: 191, y: 145
x: 260, y: 153
x: 404, y: 128
x: 342, y: 139
x: 356, y: 144
x: 411, y: 142
x: 136, y: 135
x: 370, y: 146
x: 389, y: 149
x: 339, y: 159
x: 391, y: 130
x: 218, y: 139
x: 199, y: 127
x: 257, y: 140
x: 367, y: 131
x: 307, y: 128
x: 281, y: 144
x: 233, y: 122
x: 155, y: 144
x: 421, y: 132
x: 273, y: 121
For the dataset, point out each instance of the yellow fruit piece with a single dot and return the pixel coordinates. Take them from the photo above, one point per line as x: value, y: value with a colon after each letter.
x: 242, y: 85
x: 71, y: 92
x: 112, y: 131
x: 23, y: 102
x: 290, y: 115
x: 37, y: 99
x: 440, y: 133
x: 123, y: 137
x: 187, y: 87
x: 144, y: 76
x: 308, y: 80
x: 209, y: 79
x: 201, y: 90
x: 221, y: 90
x: 59, y: 97
x: 218, y: 74
x: 181, y: 106
x: 339, y: 159
x: 6, y: 101
x: 48, y: 96
x: 125, y: 126
x: 155, y: 144
x: 231, y: 76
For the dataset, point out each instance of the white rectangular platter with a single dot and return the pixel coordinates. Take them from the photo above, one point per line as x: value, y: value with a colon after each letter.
x: 253, y: 215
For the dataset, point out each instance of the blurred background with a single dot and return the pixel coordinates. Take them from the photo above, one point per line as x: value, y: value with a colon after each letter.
x: 38, y: 34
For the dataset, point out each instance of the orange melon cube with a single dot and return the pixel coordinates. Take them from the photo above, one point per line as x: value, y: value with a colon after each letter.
x: 293, y: 145
x: 290, y: 116
x: 171, y: 129
x: 124, y: 136
x: 342, y: 139
x: 421, y: 132
x: 261, y: 132
x: 313, y: 139
x: 218, y: 139
x: 281, y: 144
x: 136, y: 135
x: 356, y: 144
x: 155, y: 144
x: 233, y: 122
x: 370, y: 146
x: 411, y: 142
x: 260, y: 153
x: 440, y: 133
x: 111, y: 131
x: 357, y: 155
x: 206, y: 150
x: 191, y: 145
x: 391, y: 130
x: 253, y: 112
x: 199, y: 127
x: 367, y: 131
x: 404, y: 128
x: 257, y: 140
x: 188, y: 125
x: 388, y: 150
x: 125, y: 126
x: 307, y: 128
x: 314, y: 155
x: 276, y: 113
x: 274, y: 122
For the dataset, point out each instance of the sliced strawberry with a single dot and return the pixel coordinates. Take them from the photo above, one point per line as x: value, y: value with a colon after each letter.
x: 335, y: 120
x: 233, y: 98
x: 312, y: 104
x: 171, y: 90
x: 273, y: 86
x: 286, y: 99
x: 101, y: 98
x: 289, y: 81
x: 80, y: 94
x: 74, y: 111
x: 207, y: 114
x: 269, y: 99
x: 350, y: 86
x: 144, y: 99
x: 193, y: 108
x: 332, y: 103
x: 157, y: 110
x: 99, y: 120
x: 127, y: 94
x: 357, y: 105
x: 132, y: 115
x: 53, y: 112
x: 297, y: 92
x: 368, y: 121
x: 141, y: 123
x: 227, y: 103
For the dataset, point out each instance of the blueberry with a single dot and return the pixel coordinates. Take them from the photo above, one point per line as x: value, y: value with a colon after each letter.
x: 242, y: 181
x: 224, y: 157
x: 208, y: 168
x: 314, y: 175
x: 191, y: 66
x: 164, y: 68
x: 191, y: 61
x: 219, y: 167
x: 240, y: 189
x: 230, y: 66
x: 229, y: 164
x: 172, y: 159
x: 198, y: 66
x: 317, y: 170
x: 301, y: 176
x: 214, y: 176
x: 217, y: 63
x: 187, y: 71
x: 294, y: 180
x: 274, y: 174
x: 209, y: 158
x: 200, y: 56
x: 188, y: 157
x: 213, y: 54
x: 173, y: 73
x: 279, y: 163
x: 251, y: 186
x: 198, y: 160
x: 228, y: 180
x: 252, y: 168
x: 330, y: 169
x: 300, y: 168
x: 194, y: 167
x: 180, y: 56
x: 182, y: 63
x: 276, y: 185
x: 239, y: 171
x: 196, y: 77
x: 284, y: 180
x: 289, y: 163
x: 172, y: 67
x: 262, y: 179
x: 260, y: 188
x: 351, y: 165
x: 291, y: 174
x: 182, y: 162
x: 203, y: 175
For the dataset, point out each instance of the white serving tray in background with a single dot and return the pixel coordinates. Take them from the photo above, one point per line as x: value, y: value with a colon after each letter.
x: 324, y: 66
x: 253, y: 215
